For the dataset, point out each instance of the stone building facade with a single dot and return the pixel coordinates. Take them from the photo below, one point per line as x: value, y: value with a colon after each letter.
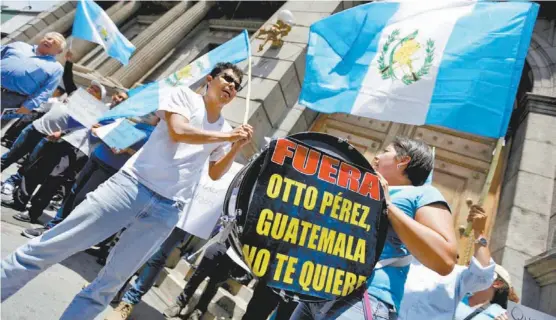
x: 521, y: 201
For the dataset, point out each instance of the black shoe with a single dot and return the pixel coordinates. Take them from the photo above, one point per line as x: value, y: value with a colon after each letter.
x: 101, y: 261
x: 33, y: 233
x: 25, y: 218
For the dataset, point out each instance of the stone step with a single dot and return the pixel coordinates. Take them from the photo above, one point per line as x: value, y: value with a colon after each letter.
x: 224, y: 305
x: 170, y: 282
x: 185, y: 269
x: 215, y: 312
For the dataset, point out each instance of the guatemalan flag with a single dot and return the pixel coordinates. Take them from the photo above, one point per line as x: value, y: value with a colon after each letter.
x: 455, y: 64
x: 93, y: 24
x: 145, y: 99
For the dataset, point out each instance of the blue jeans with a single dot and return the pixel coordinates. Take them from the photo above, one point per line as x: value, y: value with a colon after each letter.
x: 24, y: 144
x: 91, y: 176
x: 119, y: 202
x: 148, y: 275
x: 347, y: 308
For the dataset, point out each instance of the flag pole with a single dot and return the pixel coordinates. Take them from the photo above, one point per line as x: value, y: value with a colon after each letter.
x: 246, y: 115
x: 484, y: 193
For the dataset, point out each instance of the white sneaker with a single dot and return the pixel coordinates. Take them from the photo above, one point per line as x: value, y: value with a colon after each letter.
x: 7, y: 189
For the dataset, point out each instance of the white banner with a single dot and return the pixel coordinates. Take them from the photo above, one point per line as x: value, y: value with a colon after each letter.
x: 520, y: 312
x: 85, y: 108
x: 200, y: 217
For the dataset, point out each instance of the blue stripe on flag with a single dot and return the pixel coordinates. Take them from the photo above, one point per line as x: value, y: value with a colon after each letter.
x: 145, y: 99
x: 481, y: 67
x: 341, y: 48
x: 91, y: 23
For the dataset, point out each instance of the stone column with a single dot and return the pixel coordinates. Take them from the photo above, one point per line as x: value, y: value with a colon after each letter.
x: 145, y: 37
x: 118, y: 14
x: 61, y: 25
x: 524, y: 219
x: 147, y: 57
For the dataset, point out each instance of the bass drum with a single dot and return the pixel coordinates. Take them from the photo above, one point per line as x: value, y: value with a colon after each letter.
x: 240, y: 192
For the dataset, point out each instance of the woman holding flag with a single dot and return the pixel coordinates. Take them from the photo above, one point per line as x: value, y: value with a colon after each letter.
x: 420, y: 225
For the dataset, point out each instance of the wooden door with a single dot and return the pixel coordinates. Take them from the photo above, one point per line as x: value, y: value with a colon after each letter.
x: 461, y: 162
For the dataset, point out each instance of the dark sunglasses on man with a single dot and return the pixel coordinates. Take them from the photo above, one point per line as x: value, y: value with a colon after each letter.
x: 230, y: 79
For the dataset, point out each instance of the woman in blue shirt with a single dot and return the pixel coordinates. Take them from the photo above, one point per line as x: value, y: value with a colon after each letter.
x: 420, y: 225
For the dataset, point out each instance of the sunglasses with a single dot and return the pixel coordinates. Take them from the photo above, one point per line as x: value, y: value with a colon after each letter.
x: 230, y: 79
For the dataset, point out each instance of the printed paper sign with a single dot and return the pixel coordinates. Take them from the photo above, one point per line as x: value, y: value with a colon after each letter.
x: 200, y: 217
x: 85, y: 108
x: 520, y: 312
x: 120, y: 134
x: 312, y: 224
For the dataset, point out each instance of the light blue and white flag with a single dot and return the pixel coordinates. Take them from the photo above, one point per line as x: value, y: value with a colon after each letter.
x: 146, y: 99
x: 455, y: 64
x: 93, y: 24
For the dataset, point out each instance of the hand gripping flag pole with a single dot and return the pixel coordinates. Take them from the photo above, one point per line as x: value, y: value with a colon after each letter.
x: 483, y: 196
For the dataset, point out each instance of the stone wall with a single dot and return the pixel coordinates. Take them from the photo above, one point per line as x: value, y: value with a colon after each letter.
x: 521, y: 229
x: 42, y: 22
x: 277, y: 77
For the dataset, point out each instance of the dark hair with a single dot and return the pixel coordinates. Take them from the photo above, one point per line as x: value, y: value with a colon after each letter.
x: 501, y: 295
x: 221, y: 66
x: 421, y: 163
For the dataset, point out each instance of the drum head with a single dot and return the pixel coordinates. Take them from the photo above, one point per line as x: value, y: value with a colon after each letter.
x: 340, y: 266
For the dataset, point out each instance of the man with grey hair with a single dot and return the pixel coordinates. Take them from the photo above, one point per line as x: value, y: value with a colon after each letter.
x: 30, y: 73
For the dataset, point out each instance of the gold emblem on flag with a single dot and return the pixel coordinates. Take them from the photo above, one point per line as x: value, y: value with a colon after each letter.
x: 103, y: 33
x: 186, y: 73
x: 398, y: 56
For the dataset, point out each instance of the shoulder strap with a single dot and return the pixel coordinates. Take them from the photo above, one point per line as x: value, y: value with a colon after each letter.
x: 475, y: 313
x: 394, y: 262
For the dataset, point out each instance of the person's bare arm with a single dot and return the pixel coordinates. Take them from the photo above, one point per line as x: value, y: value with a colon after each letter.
x: 181, y: 131
x: 478, y: 218
x: 429, y: 237
x: 219, y: 168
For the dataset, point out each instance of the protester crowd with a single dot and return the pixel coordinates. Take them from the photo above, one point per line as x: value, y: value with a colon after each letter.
x: 128, y: 202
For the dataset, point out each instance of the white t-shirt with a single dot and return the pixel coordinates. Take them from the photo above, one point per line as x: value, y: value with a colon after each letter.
x: 56, y: 119
x: 428, y: 295
x: 173, y: 169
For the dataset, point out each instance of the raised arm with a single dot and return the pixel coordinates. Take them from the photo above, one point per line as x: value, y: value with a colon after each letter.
x: 67, y: 78
x: 480, y: 273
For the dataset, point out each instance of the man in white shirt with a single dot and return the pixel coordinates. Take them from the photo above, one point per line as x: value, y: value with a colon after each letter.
x: 428, y: 295
x: 145, y: 196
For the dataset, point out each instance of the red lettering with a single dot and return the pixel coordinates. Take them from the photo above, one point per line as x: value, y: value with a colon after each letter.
x: 306, y: 164
x: 326, y: 169
x: 349, y: 175
x: 369, y: 186
x: 284, y: 148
